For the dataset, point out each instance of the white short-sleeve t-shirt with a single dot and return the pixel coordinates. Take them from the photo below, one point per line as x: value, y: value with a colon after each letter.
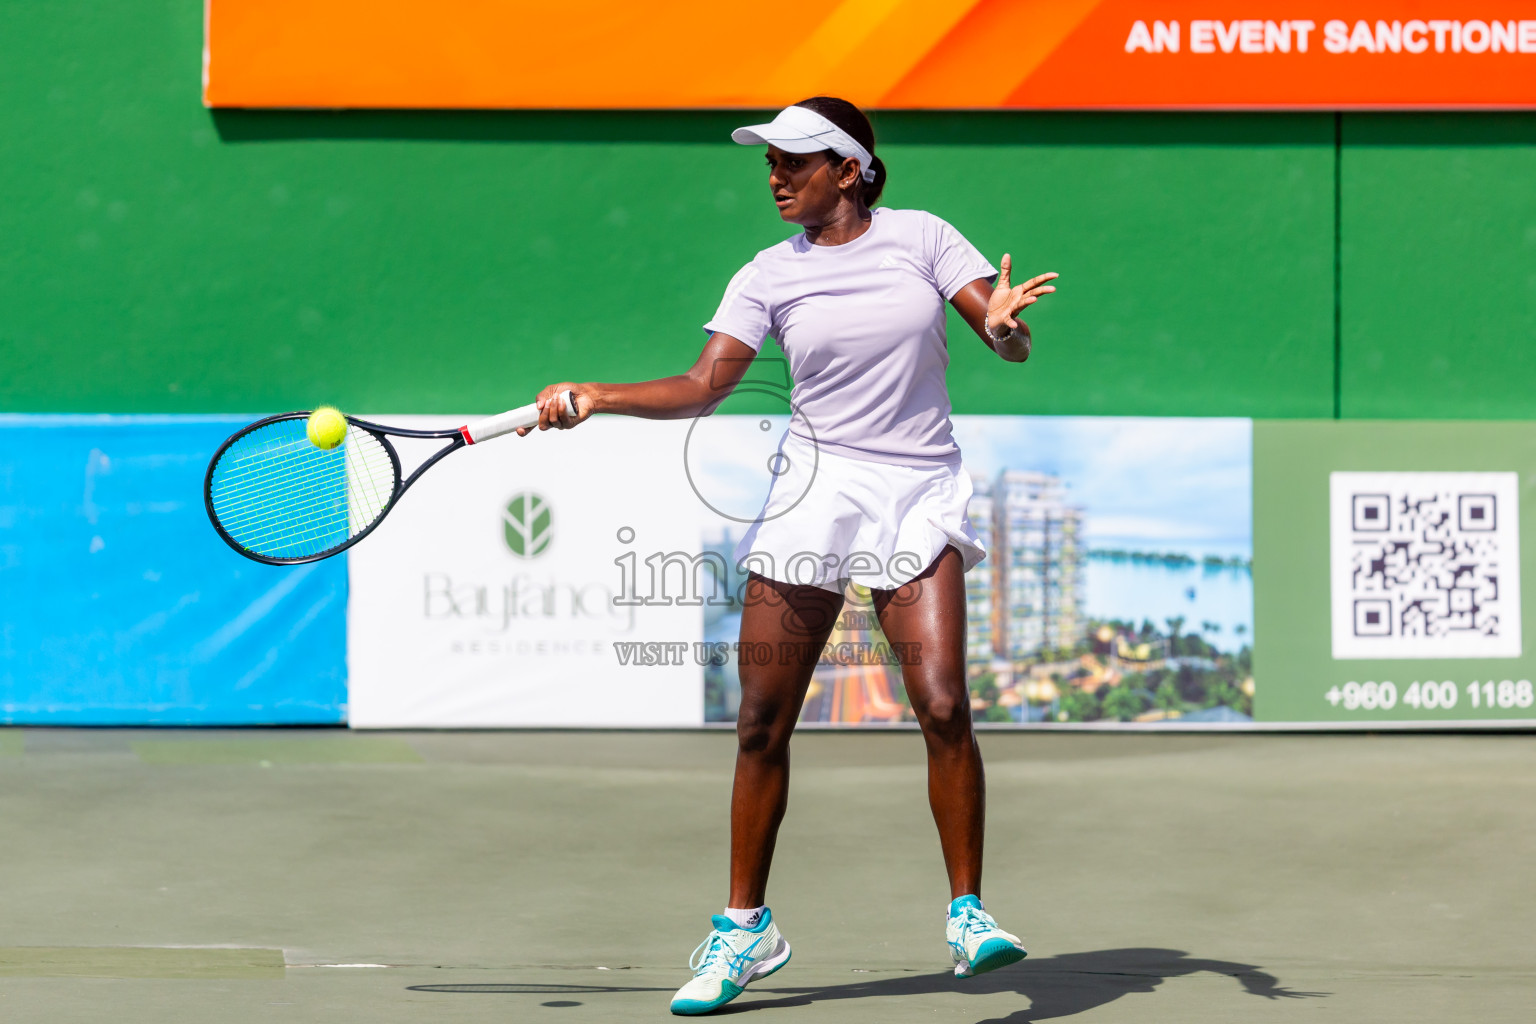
x: 862, y: 325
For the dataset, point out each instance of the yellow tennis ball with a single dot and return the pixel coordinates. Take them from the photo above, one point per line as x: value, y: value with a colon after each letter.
x: 327, y: 427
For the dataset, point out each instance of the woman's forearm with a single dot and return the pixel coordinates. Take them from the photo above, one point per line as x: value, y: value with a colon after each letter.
x: 669, y: 398
x: 707, y: 383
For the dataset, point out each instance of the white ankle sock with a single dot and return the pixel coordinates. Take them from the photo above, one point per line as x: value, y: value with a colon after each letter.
x: 746, y: 918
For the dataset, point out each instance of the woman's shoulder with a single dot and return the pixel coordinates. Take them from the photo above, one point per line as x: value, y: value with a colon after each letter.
x: 918, y: 226
x: 778, y: 251
x: 757, y: 273
x: 905, y: 217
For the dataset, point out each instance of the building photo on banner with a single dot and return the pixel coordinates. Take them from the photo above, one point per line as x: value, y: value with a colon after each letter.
x: 1117, y: 585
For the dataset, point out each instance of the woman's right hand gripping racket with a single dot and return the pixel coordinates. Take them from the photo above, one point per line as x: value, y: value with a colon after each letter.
x: 277, y: 498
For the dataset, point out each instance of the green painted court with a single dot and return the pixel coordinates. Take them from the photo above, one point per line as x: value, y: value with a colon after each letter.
x: 558, y: 876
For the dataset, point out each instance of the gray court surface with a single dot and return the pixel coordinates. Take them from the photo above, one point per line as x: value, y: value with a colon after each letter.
x: 510, y: 877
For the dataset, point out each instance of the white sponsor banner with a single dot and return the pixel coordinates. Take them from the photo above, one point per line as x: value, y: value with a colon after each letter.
x: 487, y: 597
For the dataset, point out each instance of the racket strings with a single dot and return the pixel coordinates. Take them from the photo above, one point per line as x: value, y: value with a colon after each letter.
x: 370, y: 479
x: 277, y: 495
x: 282, y: 530
x: 253, y: 492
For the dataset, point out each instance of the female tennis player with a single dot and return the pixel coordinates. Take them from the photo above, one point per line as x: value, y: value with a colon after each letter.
x: 869, y: 488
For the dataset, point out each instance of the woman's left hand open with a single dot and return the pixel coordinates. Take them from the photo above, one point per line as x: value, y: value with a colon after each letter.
x: 1008, y: 301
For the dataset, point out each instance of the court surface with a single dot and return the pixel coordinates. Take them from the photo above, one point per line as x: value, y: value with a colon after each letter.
x: 518, y: 877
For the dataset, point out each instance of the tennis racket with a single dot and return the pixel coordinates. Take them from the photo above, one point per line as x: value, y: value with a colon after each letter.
x: 277, y: 498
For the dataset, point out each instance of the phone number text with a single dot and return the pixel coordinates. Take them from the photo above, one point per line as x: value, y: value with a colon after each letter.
x: 1431, y: 695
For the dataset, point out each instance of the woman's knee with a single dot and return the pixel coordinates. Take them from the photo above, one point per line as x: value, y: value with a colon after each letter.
x: 763, y: 727
x: 946, y: 718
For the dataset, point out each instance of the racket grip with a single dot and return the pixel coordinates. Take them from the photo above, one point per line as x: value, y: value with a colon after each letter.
x: 512, y: 419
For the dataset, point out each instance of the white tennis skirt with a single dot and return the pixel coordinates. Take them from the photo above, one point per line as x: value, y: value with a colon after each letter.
x: 831, y: 519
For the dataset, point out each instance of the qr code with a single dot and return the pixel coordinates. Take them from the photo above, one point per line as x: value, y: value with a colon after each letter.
x: 1425, y: 565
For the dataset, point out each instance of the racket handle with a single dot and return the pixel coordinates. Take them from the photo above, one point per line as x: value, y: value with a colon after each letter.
x: 513, y: 419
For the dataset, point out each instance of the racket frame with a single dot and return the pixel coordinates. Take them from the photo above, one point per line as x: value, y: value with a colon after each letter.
x: 458, y: 437
x: 377, y: 430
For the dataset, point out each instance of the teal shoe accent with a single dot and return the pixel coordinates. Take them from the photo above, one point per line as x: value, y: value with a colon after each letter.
x: 960, y: 902
x: 697, y: 1007
x: 722, y: 923
x: 995, y: 953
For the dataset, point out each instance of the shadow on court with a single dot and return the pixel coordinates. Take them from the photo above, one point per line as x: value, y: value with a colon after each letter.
x: 1055, y: 987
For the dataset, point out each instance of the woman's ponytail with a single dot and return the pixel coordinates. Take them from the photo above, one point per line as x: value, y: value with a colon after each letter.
x: 872, y: 189
x: 852, y: 120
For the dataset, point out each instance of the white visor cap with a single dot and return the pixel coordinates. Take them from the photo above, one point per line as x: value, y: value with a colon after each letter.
x: 802, y: 130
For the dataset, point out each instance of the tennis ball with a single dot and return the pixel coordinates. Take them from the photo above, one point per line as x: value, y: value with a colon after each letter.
x: 327, y: 427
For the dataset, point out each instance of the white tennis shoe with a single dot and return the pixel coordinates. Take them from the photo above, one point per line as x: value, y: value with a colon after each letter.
x: 724, y: 962
x: 976, y: 943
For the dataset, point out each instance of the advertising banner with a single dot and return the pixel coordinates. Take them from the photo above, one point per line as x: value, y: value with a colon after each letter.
x: 511, y: 587
x: 1141, y: 572
x: 1391, y: 559
x: 119, y: 605
x: 593, y: 578
x: 907, y: 54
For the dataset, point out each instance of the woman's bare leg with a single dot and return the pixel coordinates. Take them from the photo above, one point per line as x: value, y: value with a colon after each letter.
x: 929, y: 615
x: 791, y: 625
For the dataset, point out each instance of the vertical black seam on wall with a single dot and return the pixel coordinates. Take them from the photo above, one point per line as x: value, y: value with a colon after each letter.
x: 1338, y: 265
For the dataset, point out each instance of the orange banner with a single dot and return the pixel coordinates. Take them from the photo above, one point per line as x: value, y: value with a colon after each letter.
x: 1085, y: 54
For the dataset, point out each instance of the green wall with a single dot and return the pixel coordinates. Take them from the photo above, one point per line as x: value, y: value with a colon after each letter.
x: 1439, y: 285
x: 156, y: 257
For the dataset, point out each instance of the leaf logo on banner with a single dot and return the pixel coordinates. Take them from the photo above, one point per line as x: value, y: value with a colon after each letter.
x: 527, y: 525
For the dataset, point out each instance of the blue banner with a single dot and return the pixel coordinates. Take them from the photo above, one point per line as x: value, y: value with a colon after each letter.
x: 119, y: 605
